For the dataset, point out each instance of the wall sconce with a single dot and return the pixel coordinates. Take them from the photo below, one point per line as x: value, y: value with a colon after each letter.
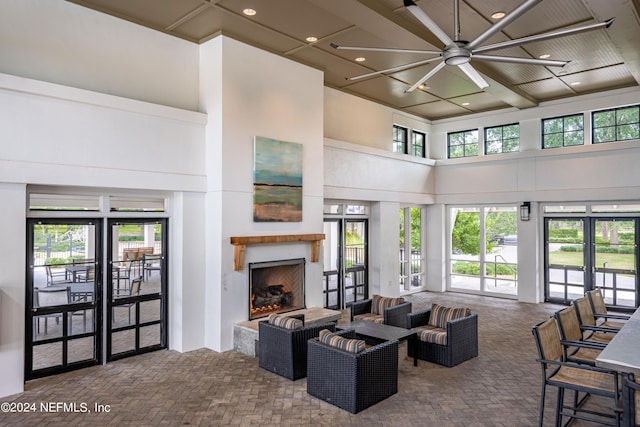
x: 525, y: 211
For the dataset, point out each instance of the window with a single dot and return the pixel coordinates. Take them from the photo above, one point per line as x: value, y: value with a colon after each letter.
x: 462, y: 144
x: 563, y: 131
x: 411, y: 253
x: 483, y: 255
x: 417, y: 144
x: 400, y: 139
x: 619, y: 124
x: 502, y: 139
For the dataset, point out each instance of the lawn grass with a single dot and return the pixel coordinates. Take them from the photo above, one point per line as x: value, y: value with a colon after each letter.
x: 618, y: 261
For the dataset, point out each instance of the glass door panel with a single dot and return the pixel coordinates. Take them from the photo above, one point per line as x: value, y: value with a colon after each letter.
x: 465, y: 249
x: 345, y: 262
x: 565, y: 259
x: 501, y: 250
x: 355, y: 261
x: 136, y: 287
x: 63, y: 296
x: 332, y: 262
x: 614, y: 261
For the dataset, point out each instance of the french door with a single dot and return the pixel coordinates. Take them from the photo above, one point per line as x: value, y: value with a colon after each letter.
x: 345, y: 262
x: 68, y: 325
x: 585, y: 253
x: 63, y: 306
x: 136, y: 315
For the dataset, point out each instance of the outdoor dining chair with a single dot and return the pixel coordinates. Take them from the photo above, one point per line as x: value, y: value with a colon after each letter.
x: 579, y: 378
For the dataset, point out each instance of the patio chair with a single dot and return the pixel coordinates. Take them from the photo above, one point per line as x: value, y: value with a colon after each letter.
x: 378, y: 309
x: 599, y: 308
x: 603, y: 332
x: 55, y: 297
x: 339, y: 372
x: 631, y: 400
x: 56, y: 277
x: 150, y: 263
x: 282, y: 349
x: 134, y: 290
x: 446, y: 336
x: 575, y: 347
x: 576, y: 377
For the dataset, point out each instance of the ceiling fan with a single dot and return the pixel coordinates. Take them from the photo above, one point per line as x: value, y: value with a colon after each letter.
x: 460, y: 52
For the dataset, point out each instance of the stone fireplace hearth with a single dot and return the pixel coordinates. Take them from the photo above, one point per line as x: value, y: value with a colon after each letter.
x: 276, y: 287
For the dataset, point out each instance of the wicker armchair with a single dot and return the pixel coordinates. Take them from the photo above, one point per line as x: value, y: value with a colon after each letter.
x: 284, y: 351
x: 457, y: 340
x: 394, y: 310
x: 352, y: 381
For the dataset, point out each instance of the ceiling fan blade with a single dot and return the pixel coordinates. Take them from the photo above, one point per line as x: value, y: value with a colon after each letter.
x: 545, y: 36
x: 473, y: 75
x: 385, y: 49
x: 394, y: 69
x: 516, y: 60
x: 428, y: 22
x: 426, y: 77
x: 512, y: 16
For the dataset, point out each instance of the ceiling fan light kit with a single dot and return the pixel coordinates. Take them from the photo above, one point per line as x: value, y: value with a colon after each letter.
x: 461, y: 53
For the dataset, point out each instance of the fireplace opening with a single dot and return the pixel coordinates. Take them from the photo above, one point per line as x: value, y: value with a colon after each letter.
x: 276, y: 287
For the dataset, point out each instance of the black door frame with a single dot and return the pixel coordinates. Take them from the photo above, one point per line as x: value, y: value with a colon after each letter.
x: 31, y: 311
x: 589, y: 269
x: 138, y: 299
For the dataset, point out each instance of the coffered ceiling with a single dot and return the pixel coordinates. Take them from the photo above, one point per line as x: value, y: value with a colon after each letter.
x: 602, y: 59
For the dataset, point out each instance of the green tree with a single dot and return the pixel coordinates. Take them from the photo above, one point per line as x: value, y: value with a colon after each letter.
x: 465, y: 236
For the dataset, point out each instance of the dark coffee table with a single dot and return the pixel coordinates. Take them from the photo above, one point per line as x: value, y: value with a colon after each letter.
x: 379, y: 332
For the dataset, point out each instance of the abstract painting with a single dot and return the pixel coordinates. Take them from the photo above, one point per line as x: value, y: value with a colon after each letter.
x: 277, y: 181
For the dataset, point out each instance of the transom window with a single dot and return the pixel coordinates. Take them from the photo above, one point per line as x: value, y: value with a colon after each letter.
x: 400, y: 139
x: 563, y: 131
x: 462, y: 144
x: 619, y: 124
x: 502, y: 139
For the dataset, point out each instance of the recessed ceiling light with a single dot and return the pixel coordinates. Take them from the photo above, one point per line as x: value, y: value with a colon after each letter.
x: 360, y: 59
x: 544, y: 56
x: 312, y: 39
x: 423, y: 87
x: 464, y: 104
x: 498, y: 15
x: 574, y: 83
x: 249, y: 12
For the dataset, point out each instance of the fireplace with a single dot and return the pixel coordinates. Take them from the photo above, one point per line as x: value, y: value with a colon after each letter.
x: 276, y: 287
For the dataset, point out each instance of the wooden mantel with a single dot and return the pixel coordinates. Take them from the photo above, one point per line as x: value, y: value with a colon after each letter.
x: 240, y: 245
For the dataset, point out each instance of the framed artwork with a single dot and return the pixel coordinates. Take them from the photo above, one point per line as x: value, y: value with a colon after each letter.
x: 277, y: 180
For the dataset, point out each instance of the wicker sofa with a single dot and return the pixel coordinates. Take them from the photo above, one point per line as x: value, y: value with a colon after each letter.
x: 284, y: 351
x: 352, y: 381
x: 390, y: 311
x: 448, y: 340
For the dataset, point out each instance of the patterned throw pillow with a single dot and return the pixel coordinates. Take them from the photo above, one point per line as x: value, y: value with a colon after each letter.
x: 440, y: 315
x: 285, y: 322
x: 332, y: 340
x: 380, y: 304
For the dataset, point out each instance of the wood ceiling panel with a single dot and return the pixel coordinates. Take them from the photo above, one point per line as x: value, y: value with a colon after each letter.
x: 212, y: 20
x: 601, y: 59
x: 298, y: 18
x: 593, y: 80
x: 152, y: 13
x: 437, y: 110
x: 547, y: 89
x: 391, y: 92
x: 479, y: 101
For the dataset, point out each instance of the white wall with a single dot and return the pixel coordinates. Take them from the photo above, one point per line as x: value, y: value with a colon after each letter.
x: 359, y: 121
x: 59, y: 42
x: 259, y: 94
x: 12, y: 289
